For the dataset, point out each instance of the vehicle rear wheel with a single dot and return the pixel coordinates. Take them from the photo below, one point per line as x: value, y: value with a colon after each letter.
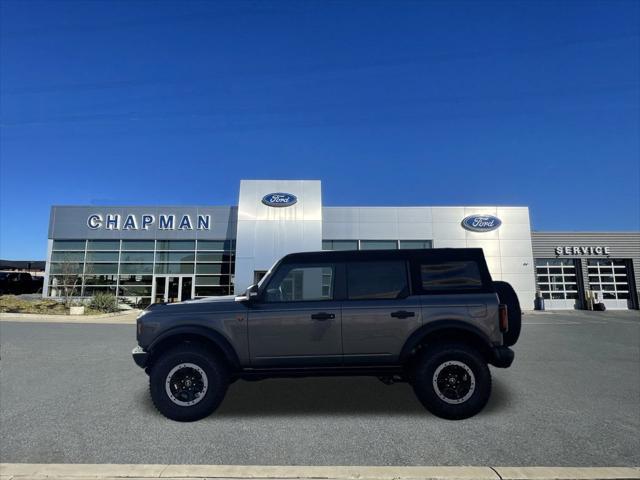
x: 452, y: 381
x: 188, y: 383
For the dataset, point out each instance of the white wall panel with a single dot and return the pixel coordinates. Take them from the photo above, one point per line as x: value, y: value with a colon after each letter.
x: 415, y: 231
x: 415, y: 214
x: 450, y: 231
x: 379, y: 231
x: 519, y: 265
x: 449, y: 243
x: 340, y: 231
x: 340, y: 214
x: 516, y: 248
x: 479, y: 211
x: 378, y: 214
x: 495, y: 267
x: 493, y: 235
x: 514, y: 231
x: 447, y: 214
x: 491, y: 248
x: 513, y: 214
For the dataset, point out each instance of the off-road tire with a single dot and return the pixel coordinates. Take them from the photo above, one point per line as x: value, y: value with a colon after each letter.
x: 437, y: 356
x: 217, y: 380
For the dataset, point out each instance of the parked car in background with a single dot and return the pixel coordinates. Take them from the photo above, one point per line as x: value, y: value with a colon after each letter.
x: 18, y: 283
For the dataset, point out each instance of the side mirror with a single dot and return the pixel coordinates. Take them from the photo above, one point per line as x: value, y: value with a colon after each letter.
x: 250, y: 294
x: 252, y: 291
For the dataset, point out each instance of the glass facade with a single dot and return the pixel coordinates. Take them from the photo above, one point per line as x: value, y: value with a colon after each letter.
x: 128, y: 268
x: 375, y: 244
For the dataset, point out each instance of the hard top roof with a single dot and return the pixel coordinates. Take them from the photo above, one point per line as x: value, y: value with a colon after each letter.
x: 447, y: 254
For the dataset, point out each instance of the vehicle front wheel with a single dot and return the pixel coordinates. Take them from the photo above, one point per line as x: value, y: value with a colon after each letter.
x: 452, y: 381
x: 188, y: 383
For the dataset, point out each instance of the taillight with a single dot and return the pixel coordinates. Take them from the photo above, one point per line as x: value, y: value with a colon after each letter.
x: 504, y: 317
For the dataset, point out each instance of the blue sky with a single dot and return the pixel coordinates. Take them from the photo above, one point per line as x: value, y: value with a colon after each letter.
x: 388, y: 103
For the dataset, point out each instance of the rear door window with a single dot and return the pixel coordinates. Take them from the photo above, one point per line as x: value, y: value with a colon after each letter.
x: 377, y: 280
x: 450, y: 275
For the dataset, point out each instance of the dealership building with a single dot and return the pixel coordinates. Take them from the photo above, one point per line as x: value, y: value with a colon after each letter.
x: 173, y: 253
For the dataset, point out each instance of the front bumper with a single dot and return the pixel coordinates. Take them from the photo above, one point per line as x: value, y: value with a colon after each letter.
x: 501, y: 357
x: 140, y: 356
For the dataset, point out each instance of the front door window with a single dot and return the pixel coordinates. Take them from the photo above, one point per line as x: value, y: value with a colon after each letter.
x: 301, y: 283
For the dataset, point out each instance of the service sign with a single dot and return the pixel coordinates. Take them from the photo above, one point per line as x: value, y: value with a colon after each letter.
x: 279, y: 199
x: 481, y: 223
x: 583, y: 250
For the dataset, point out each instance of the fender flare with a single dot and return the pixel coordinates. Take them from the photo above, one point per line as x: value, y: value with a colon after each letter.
x: 197, y: 331
x: 440, y: 325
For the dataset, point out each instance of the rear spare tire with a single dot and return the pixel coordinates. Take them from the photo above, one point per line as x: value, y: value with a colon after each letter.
x: 507, y: 296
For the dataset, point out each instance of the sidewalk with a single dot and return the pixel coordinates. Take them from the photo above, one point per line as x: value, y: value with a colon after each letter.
x: 20, y: 471
x: 126, y: 317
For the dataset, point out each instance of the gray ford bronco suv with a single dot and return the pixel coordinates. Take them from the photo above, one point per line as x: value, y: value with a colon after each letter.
x: 433, y: 318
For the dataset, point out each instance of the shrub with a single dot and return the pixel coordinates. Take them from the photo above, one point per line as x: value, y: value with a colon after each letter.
x: 104, y: 302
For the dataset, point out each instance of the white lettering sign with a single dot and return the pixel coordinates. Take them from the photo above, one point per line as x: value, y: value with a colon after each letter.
x: 583, y: 250
x: 145, y: 222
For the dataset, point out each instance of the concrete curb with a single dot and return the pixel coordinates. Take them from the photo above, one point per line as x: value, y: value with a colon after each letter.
x: 128, y: 317
x: 24, y: 471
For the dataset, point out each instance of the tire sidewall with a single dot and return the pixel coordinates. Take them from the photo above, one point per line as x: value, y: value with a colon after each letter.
x: 425, y: 391
x: 216, y: 378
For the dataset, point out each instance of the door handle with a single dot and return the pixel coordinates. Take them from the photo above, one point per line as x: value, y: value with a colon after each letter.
x: 403, y: 314
x: 322, y: 316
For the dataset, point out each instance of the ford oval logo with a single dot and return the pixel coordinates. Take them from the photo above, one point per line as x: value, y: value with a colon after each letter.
x: 481, y: 223
x: 279, y: 199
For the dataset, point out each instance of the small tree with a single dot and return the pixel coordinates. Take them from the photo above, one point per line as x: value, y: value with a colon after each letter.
x: 71, y: 273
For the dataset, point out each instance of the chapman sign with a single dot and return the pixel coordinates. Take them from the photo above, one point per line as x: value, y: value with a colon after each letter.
x: 575, y: 250
x: 144, y: 222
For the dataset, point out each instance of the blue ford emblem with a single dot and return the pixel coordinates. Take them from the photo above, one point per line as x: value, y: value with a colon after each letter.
x: 279, y: 199
x: 481, y: 223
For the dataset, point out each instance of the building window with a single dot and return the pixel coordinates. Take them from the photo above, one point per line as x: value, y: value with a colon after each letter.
x: 416, y: 244
x: 375, y: 244
x: 340, y: 244
x: 125, y: 268
x: 556, y: 278
x: 378, y: 244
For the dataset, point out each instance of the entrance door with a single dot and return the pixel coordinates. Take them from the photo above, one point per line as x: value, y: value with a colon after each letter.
x: 170, y: 289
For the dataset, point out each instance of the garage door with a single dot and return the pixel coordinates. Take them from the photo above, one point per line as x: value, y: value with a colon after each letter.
x: 610, y: 280
x: 558, y: 283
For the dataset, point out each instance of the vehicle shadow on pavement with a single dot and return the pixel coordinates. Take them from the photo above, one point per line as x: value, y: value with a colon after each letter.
x: 309, y: 396
x: 339, y: 396
x: 318, y: 396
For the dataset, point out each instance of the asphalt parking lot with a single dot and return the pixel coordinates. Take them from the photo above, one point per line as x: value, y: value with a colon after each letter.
x: 71, y: 394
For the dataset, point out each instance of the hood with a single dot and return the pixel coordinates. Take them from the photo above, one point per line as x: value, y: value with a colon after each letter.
x: 223, y: 298
x: 209, y: 304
